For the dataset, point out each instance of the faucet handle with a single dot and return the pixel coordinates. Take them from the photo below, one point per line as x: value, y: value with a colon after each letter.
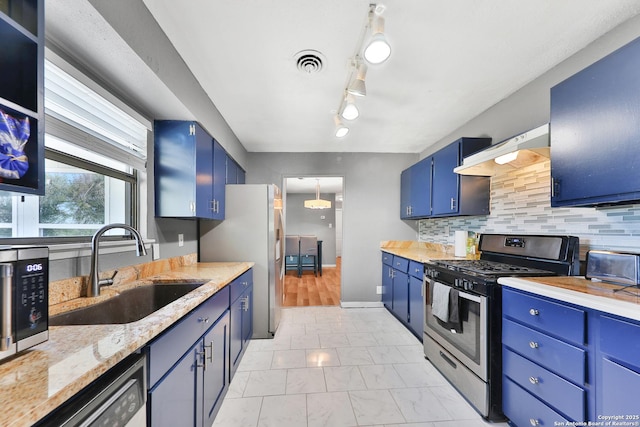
x: 108, y: 281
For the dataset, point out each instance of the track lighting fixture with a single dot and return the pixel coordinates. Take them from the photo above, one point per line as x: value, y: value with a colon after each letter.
x: 341, y: 129
x: 349, y: 108
x: 357, y: 86
x: 376, y: 51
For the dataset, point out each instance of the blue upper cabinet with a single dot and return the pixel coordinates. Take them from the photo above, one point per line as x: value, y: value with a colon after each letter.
x: 189, y: 171
x: 415, y: 190
x: 430, y: 188
x: 235, y: 174
x: 595, y: 132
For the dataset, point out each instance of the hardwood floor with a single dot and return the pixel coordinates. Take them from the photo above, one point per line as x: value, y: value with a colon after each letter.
x: 310, y: 290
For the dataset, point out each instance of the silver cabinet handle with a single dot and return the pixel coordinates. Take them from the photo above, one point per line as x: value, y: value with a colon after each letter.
x: 533, y: 344
x: 203, y: 320
x: 534, y: 312
x: 533, y: 380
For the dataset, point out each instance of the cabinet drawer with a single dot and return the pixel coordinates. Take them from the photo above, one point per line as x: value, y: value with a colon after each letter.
x: 401, y: 264
x: 620, y: 339
x: 165, y: 350
x: 240, y: 284
x: 416, y: 269
x: 546, y: 386
x: 387, y: 258
x: 558, y: 356
x: 523, y: 409
x: 553, y: 318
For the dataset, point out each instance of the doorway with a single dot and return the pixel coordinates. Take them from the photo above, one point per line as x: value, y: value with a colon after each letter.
x: 320, y: 286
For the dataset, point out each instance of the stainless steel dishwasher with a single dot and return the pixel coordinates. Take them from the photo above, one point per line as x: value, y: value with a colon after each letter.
x: 116, y: 399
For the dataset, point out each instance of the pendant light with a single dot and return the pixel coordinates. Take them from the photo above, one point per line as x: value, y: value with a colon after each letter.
x: 317, y: 203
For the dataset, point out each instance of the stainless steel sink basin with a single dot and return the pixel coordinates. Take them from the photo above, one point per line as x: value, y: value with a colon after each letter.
x: 129, y: 306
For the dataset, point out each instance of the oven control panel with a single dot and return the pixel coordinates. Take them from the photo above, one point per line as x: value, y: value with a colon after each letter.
x: 457, y: 280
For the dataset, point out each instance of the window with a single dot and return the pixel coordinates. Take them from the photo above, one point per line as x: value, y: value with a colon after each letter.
x: 95, y: 152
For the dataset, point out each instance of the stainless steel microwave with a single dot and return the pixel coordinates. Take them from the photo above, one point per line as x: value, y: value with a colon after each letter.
x: 24, y: 298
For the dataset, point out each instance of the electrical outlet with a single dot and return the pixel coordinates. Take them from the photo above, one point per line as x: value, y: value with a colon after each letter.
x: 180, y: 239
x: 379, y: 290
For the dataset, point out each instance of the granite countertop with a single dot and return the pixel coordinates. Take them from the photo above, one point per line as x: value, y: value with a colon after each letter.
x: 37, y: 381
x: 421, y: 251
x: 584, y: 292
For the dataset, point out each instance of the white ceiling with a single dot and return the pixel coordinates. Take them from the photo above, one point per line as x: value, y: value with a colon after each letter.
x: 451, y: 60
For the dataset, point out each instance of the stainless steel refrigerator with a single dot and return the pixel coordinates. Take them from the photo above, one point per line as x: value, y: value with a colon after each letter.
x: 253, y: 230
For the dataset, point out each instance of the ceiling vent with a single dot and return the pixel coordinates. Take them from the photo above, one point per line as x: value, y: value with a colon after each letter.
x: 309, y: 61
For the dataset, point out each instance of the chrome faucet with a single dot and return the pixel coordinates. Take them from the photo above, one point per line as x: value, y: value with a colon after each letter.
x: 93, y: 289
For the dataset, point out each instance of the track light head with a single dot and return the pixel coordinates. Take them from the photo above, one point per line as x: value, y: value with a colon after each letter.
x: 341, y: 129
x: 349, y: 109
x: 378, y: 49
x: 357, y: 86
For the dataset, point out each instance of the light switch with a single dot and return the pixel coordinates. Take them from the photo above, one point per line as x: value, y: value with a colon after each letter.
x: 180, y: 239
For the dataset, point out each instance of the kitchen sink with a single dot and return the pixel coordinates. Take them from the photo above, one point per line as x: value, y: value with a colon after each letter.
x: 128, y: 306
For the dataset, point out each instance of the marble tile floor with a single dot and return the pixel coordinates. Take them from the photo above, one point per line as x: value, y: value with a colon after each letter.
x: 334, y: 367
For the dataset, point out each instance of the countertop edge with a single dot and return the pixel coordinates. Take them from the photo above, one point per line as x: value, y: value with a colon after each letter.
x: 619, y: 308
x: 155, y: 325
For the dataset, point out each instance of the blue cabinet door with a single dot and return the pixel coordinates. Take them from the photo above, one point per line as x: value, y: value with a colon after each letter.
x: 219, y: 180
x: 387, y: 286
x: 175, y: 153
x: 421, y: 189
x: 445, y: 196
x: 235, y: 338
x: 184, y: 171
x: 416, y: 306
x: 216, y: 368
x: 401, y: 295
x: 405, y: 194
x: 595, y: 133
x: 247, y: 317
x: 232, y: 171
x: 415, y: 190
x: 172, y: 401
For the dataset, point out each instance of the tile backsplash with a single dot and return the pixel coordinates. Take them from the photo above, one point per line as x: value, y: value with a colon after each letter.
x: 520, y: 203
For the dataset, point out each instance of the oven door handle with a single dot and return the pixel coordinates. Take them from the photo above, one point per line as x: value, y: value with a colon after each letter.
x: 470, y: 297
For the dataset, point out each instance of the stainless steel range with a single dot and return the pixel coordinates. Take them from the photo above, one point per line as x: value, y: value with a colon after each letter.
x: 463, y: 309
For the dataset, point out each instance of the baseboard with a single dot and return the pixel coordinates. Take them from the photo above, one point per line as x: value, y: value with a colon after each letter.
x: 361, y: 304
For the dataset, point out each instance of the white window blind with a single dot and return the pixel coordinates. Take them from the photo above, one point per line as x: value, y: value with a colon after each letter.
x: 78, y: 114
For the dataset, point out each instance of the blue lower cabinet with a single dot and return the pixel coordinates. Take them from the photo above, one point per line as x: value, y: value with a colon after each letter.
x: 565, y: 362
x: 215, y: 369
x: 618, y: 367
x: 401, y: 295
x: 416, y: 305
x: 192, y: 391
x: 387, y: 286
x: 402, y: 284
x: 241, y: 300
x: 192, y: 363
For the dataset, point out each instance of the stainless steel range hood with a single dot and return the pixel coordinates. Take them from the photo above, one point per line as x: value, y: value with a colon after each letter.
x: 517, y: 152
